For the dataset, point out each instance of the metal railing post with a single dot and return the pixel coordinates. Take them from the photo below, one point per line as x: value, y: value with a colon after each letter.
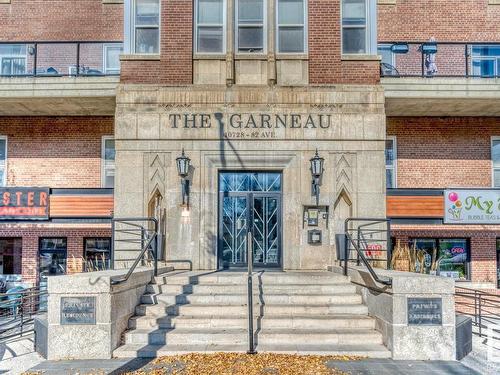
x: 251, y: 347
x: 35, y: 56
x: 77, y: 59
x: 480, y: 318
x: 346, y: 246
x: 112, y: 254
x: 466, y: 60
x: 423, y: 63
x: 389, y: 245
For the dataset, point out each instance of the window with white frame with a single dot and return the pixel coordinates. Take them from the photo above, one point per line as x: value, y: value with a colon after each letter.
x: 495, y: 159
x: 146, y: 26
x: 390, y: 162
x: 111, y: 58
x: 210, y: 26
x: 250, y: 25
x: 3, y: 161
x: 108, y: 161
x: 354, y: 26
x: 291, y: 25
x: 12, y: 59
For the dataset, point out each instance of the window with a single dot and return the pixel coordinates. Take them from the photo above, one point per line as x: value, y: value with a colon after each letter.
x: 97, y: 251
x: 495, y: 159
x: 354, y: 26
x: 12, y: 59
x: 385, y: 51
x: 111, y: 58
x: 3, y: 161
x: 147, y: 26
x: 250, y: 25
x: 210, y: 26
x: 52, y: 262
x: 108, y: 162
x: 449, y: 257
x: 486, y: 61
x: 10, y: 256
x: 390, y: 162
x: 291, y: 21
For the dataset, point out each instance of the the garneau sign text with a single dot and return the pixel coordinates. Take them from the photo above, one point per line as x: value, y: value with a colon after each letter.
x: 250, y: 121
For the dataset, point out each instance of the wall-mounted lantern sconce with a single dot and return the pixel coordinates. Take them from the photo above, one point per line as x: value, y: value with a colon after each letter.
x: 316, y: 171
x: 183, y: 164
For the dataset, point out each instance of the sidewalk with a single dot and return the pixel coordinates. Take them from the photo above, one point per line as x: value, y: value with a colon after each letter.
x: 18, y: 355
x: 362, y: 367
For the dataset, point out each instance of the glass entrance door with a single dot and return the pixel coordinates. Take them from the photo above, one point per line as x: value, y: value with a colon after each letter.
x: 249, y: 201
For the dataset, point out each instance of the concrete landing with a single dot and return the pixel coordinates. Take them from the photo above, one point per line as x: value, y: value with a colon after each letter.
x: 364, y: 367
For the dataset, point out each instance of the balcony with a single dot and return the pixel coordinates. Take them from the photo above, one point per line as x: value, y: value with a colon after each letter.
x: 441, y: 79
x: 59, y: 78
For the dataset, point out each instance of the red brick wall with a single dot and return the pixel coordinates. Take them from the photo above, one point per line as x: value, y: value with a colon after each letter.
x: 445, y: 20
x: 58, y: 152
x: 482, y: 244
x: 325, y: 65
x: 30, y: 245
x: 443, y: 152
x: 45, y: 20
x: 175, y: 66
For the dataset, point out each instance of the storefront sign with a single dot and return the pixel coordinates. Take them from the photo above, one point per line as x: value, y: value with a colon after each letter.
x: 425, y: 311
x: 24, y: 203
x: 77, y: 310
x: 472, y: 207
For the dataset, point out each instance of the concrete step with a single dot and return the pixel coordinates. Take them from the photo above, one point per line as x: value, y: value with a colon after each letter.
x: 160, y: 310
x: 337, y: 288
x: 267, y: 322
x: 192, y: 336
x: 359, y: 349
x: 335, y: 336
x: 239, y: 299
x: 153, y: 351
x: 240, y: 278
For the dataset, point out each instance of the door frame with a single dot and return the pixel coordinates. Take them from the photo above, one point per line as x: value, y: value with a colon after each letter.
x: 249, y: 217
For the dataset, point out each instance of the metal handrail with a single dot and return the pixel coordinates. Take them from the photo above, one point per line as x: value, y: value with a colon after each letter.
x: 484, y: 308
x: 251, y: 346
x: 18, y: 309
x: 360, y: 255
x: 80, y: 69
x: 146, y: 246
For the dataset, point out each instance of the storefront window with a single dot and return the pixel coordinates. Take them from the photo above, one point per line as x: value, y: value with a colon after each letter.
x: 97, y: 254
x: 445, y: 257
x: 11, y: 256
x: 52, y: 262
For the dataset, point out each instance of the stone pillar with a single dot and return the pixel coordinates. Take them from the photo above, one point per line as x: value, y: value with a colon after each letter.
x: 104, y: 310
x: 403, y: 335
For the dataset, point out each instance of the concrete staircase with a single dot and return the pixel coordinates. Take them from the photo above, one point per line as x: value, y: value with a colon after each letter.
x: 295, y: 312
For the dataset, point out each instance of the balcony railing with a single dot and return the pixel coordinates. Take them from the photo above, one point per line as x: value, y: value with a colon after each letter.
x: 59, y: 59
x: 436, y: 59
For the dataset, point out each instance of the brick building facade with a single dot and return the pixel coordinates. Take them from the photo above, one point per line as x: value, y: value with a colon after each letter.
x: 58, y: 141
